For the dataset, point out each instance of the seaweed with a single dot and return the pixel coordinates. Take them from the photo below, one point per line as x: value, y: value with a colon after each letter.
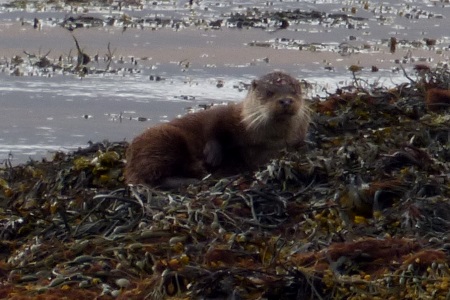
x: 361, y: 211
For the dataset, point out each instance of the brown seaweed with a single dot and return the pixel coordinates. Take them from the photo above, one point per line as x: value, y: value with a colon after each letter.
x: 362, y: 211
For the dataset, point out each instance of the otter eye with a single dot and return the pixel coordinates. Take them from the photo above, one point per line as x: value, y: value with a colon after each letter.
x: 269, y: 93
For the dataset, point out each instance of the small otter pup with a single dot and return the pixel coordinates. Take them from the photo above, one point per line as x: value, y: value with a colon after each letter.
x: 437, y: 99
x: 222, y: 140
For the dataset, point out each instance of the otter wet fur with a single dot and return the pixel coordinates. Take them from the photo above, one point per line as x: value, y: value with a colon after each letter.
x: 222, y: 140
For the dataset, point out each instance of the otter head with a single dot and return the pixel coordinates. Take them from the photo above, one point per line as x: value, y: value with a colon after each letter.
x: 273, y: 98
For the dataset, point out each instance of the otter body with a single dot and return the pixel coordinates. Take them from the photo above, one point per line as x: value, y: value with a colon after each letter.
x: 223, y: 140
x: 437, y: 99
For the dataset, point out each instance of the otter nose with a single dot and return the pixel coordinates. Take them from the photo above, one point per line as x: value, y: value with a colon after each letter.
x: 285, y: 102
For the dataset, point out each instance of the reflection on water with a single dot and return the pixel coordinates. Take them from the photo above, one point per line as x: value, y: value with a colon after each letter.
x: 159, y: 70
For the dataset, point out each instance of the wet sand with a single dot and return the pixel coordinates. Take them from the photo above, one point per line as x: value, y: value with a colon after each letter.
x: 202, y: 47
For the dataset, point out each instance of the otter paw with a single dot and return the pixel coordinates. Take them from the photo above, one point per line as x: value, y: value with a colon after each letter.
x: 213, y: 153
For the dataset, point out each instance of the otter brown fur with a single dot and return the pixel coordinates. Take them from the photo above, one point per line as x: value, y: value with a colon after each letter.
x: 224, y: 139
x: 437, y: 99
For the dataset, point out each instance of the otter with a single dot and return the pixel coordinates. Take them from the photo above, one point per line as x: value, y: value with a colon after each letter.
x: 437, y: 99
x: 223, y: 140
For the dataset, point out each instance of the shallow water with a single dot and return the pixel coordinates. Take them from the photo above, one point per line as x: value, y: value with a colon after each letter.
x: 46, y: 110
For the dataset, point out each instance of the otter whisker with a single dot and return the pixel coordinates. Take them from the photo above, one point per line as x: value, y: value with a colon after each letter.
x: 255, y: 120
x: 255, y: 117
x: 249, y: 118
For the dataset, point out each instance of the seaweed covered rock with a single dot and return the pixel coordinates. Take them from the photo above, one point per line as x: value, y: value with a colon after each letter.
x: 361, y: 212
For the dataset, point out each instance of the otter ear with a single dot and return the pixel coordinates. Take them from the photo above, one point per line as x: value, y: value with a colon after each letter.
x: 299, y: 87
